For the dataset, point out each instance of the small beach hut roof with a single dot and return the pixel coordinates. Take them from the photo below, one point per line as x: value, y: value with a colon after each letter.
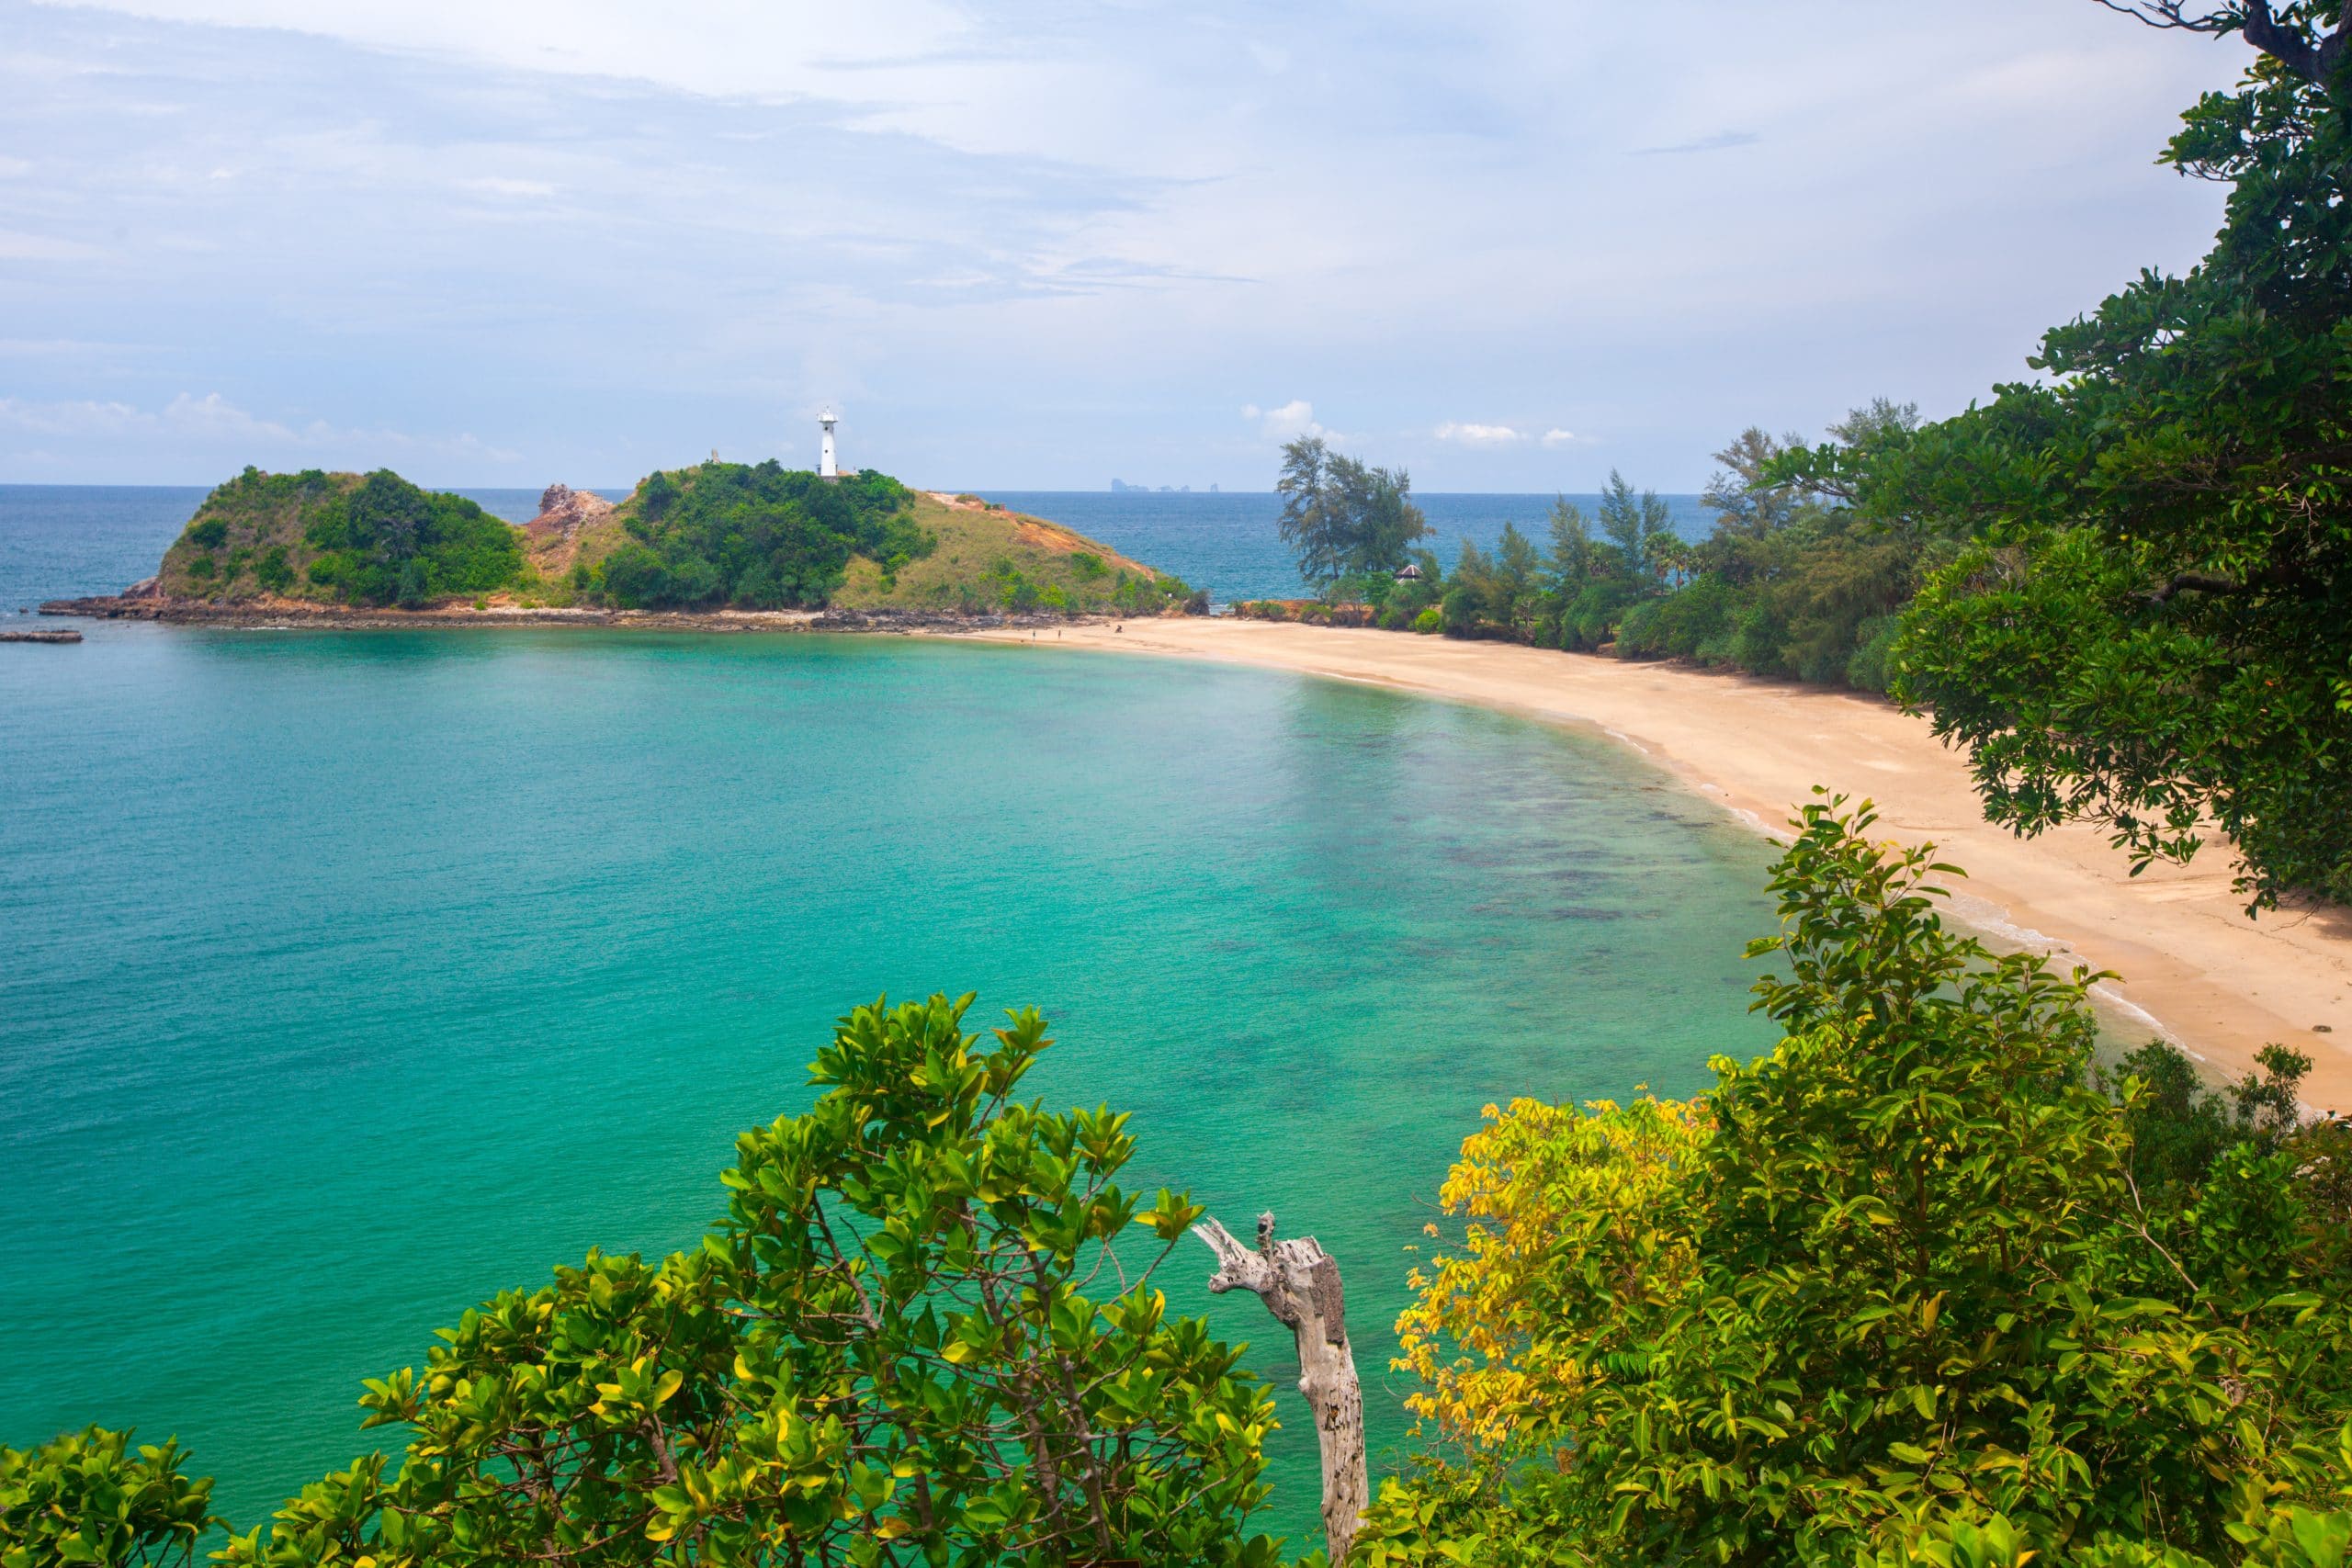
x: 1408, y: 573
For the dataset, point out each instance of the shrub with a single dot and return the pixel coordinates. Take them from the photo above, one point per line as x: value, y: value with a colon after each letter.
x: 885, y: 1352
x: 1429, y: 620
x: 1867, y: 670
x: 415, y: 585
x: 1899, y: 1280
x: 633, y: 576
x: 89, y: 1497
x: 1680, y: 624
x: 209, y: 533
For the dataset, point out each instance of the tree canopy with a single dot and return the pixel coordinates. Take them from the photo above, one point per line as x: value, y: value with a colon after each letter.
x: 2147, y: 622
x: 370, y: 540
x: 1343, y: 518
x: 757, y: 535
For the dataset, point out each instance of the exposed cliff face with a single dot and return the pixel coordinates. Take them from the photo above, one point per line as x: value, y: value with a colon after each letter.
x: 554, y: 535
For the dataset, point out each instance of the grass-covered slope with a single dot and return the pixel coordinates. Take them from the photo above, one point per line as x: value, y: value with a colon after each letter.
x: 983, y: 558
x: 726, y: 534
x: 339, y: 538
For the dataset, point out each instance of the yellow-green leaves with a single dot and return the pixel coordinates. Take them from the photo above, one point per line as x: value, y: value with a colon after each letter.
x: 91, y: 1498
x: 1888, y: 1294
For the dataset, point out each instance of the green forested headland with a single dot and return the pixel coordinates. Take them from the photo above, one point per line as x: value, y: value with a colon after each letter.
x: 342, y: 538
x: 714, y: 536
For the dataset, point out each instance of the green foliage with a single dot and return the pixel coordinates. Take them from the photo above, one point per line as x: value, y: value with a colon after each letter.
x: 886, y: 1353
x: 1911, y: 1297
x: 1499, y: 595
x: 759, y: 536
x: 2179, y: 1129
x: 1344, y: 519
x: 1789, y: 584
x: 1132, y: 595
x: 89, y: 1497
x: 273, y: 570
x: 382, y: 540
x: 1786, y: 585
x: 2149, y: 624
x: 1640, y: 533
x: 208, y: 533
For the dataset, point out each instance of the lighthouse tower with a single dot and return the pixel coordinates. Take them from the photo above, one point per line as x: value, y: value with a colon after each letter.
x: 825, y: 466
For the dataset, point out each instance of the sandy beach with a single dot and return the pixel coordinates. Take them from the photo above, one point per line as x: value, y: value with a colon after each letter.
x: 2216, y: 982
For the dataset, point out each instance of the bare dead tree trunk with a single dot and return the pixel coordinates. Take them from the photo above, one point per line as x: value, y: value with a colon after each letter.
x: 1299, y: 1282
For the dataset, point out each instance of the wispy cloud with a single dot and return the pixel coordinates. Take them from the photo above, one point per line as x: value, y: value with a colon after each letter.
x: 500, y: 185
x: 213, y: 421
x: 1715, y: 143
x: 1462, y: 434
x: 1039, y: 245
x: 16, y: 246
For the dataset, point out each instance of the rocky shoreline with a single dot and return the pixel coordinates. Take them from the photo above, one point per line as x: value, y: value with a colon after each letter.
x: 287, y: 615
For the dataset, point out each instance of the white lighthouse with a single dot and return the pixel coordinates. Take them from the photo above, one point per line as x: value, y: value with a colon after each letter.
x: 826, y: 469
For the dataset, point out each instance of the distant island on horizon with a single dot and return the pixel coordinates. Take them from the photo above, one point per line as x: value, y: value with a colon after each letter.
x: 1121, y: 487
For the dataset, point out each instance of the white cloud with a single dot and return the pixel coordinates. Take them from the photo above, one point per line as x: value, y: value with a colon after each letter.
x: 1288, y: 422
x: 1470, y: 435
x: 1556, y: 436
x: 498, y: 185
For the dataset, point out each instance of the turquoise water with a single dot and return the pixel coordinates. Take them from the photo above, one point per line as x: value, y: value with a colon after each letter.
x: 347, y: 979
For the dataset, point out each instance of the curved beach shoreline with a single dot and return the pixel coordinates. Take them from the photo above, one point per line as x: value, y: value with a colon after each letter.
x: 2215, y: 982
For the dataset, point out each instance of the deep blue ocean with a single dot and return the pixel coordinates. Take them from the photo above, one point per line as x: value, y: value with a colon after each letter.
x: 349, y: 977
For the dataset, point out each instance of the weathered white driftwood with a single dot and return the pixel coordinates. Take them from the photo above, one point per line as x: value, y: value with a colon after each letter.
x: 1299, y: 1282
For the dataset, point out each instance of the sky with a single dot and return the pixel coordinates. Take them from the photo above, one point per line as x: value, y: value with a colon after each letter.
x: 1041, y: 244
